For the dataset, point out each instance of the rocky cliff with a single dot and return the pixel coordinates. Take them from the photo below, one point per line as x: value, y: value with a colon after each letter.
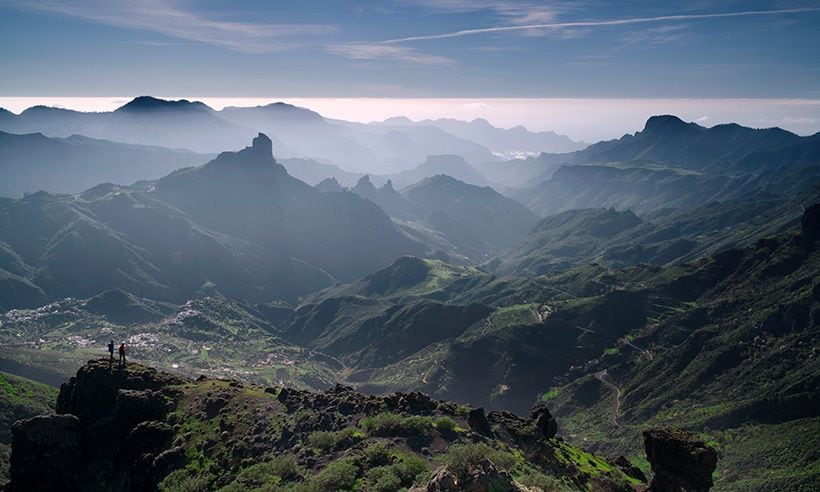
x: 135, y: 428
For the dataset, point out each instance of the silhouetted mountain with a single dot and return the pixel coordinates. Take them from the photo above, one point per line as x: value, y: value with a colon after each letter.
x: 145, y: 120
x: 452, y: 165
x: 402, y: 147
x: 239, y: 226
x: 387, y: 198
x: 510, y: 142
x: 146, y: 104
x: 312, y: 172
x: 671, y: 164
x: 669, y: 140
x: 69, y: 165
x: 330, y: 185
x: 495, y: 219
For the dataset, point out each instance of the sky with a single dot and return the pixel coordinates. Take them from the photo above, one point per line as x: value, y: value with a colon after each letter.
x: 467, y: 51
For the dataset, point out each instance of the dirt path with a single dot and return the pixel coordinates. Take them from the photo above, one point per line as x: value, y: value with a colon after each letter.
x: 602, y: 376
x: 645, y: 352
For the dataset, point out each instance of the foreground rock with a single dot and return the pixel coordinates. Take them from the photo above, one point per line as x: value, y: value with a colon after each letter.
x: 482, y: 477
x: 679, y: 460
x: 135, y: 428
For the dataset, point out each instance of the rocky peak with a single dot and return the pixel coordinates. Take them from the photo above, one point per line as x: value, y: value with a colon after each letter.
x: 668, y: 124
x: 679, y: 460
x: 262, y: 145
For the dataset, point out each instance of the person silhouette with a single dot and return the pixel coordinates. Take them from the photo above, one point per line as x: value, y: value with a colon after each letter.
x: 122, y: 353
x: 111, y: 350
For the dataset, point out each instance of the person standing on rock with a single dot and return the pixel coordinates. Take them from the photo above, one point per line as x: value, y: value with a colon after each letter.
x: 122, y: 353
x: 111, y: 350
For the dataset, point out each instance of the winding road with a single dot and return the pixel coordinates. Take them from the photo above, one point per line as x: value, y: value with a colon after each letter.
x: 602, y: 376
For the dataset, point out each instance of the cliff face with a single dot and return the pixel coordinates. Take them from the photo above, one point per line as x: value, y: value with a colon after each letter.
x: 135, y: 428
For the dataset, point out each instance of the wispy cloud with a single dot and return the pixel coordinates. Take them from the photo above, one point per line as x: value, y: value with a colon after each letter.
x: 599, y: 23
x: 374, y: 51
x: 167, y: 18
x: 511, y: 12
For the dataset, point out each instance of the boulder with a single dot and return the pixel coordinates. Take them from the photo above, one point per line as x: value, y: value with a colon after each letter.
x: 544, y: 421
x: 478, y: 422
x: 482, y: 477
x: 679, y: 460
x: 443, y: 480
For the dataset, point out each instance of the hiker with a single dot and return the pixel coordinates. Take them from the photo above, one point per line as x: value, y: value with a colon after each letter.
x: 111, y: 350
x: 122, y: 353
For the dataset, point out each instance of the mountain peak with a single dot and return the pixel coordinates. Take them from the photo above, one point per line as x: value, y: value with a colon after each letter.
x: 364, y: 181
x: 667, y: 123
x: 262, y: 145
x: 149, y: 103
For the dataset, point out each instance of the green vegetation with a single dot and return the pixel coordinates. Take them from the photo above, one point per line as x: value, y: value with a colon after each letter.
x: 388, y: 424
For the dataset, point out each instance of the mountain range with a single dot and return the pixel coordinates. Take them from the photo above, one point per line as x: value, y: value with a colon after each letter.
x: 666, y: 278
x: 296, y: 132
x: 238, y: 225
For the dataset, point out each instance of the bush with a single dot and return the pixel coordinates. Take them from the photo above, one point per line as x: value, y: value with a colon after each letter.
x: 390, y: 424
x: 402, y: 473
x: 377, y: 455
x: 382, y: 479
x: 445, y: 425
x: 183, y: 481
x: 339, y: 475
x: 460, y: 457
x: 326, y: 441
x: 543, y: 482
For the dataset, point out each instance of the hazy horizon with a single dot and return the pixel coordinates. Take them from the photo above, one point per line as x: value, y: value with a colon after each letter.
x: 582, y: 119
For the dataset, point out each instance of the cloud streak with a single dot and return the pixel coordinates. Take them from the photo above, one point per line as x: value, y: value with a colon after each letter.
x: 373, y: 51
x: 165, y: 18
x: 599, y: 23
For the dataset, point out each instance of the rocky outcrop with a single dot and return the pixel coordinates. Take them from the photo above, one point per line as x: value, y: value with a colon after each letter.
x: 135, y: 428
x: 483, y: 477
x: 106, y: 413
x: 478, y: 422
x: 544, y: 421
x: 679, y: 461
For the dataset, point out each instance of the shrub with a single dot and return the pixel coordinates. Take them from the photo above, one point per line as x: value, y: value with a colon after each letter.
x: 339, y: 475
x: 183, y: 481
x: 460, y: 457
x: 402, y: 473
x: 390, y: 424
x: 445, y: 425
x: 326, y: 441
x: 377, y: 455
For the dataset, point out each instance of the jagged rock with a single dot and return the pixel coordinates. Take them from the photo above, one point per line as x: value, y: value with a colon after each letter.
x: 47, y: 453
x: 544, y: 421
x: 134, y: 406
x: 679, y: 460
x: 148, y: 437
x: 93, y: 392
x: 478, y: 422
x: 483, y: 477
x: 136, y: 426
x: 630, y: 469
x: 443, y: 480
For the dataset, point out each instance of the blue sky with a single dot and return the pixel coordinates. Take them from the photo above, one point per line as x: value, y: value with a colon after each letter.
x: 412, y: 48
